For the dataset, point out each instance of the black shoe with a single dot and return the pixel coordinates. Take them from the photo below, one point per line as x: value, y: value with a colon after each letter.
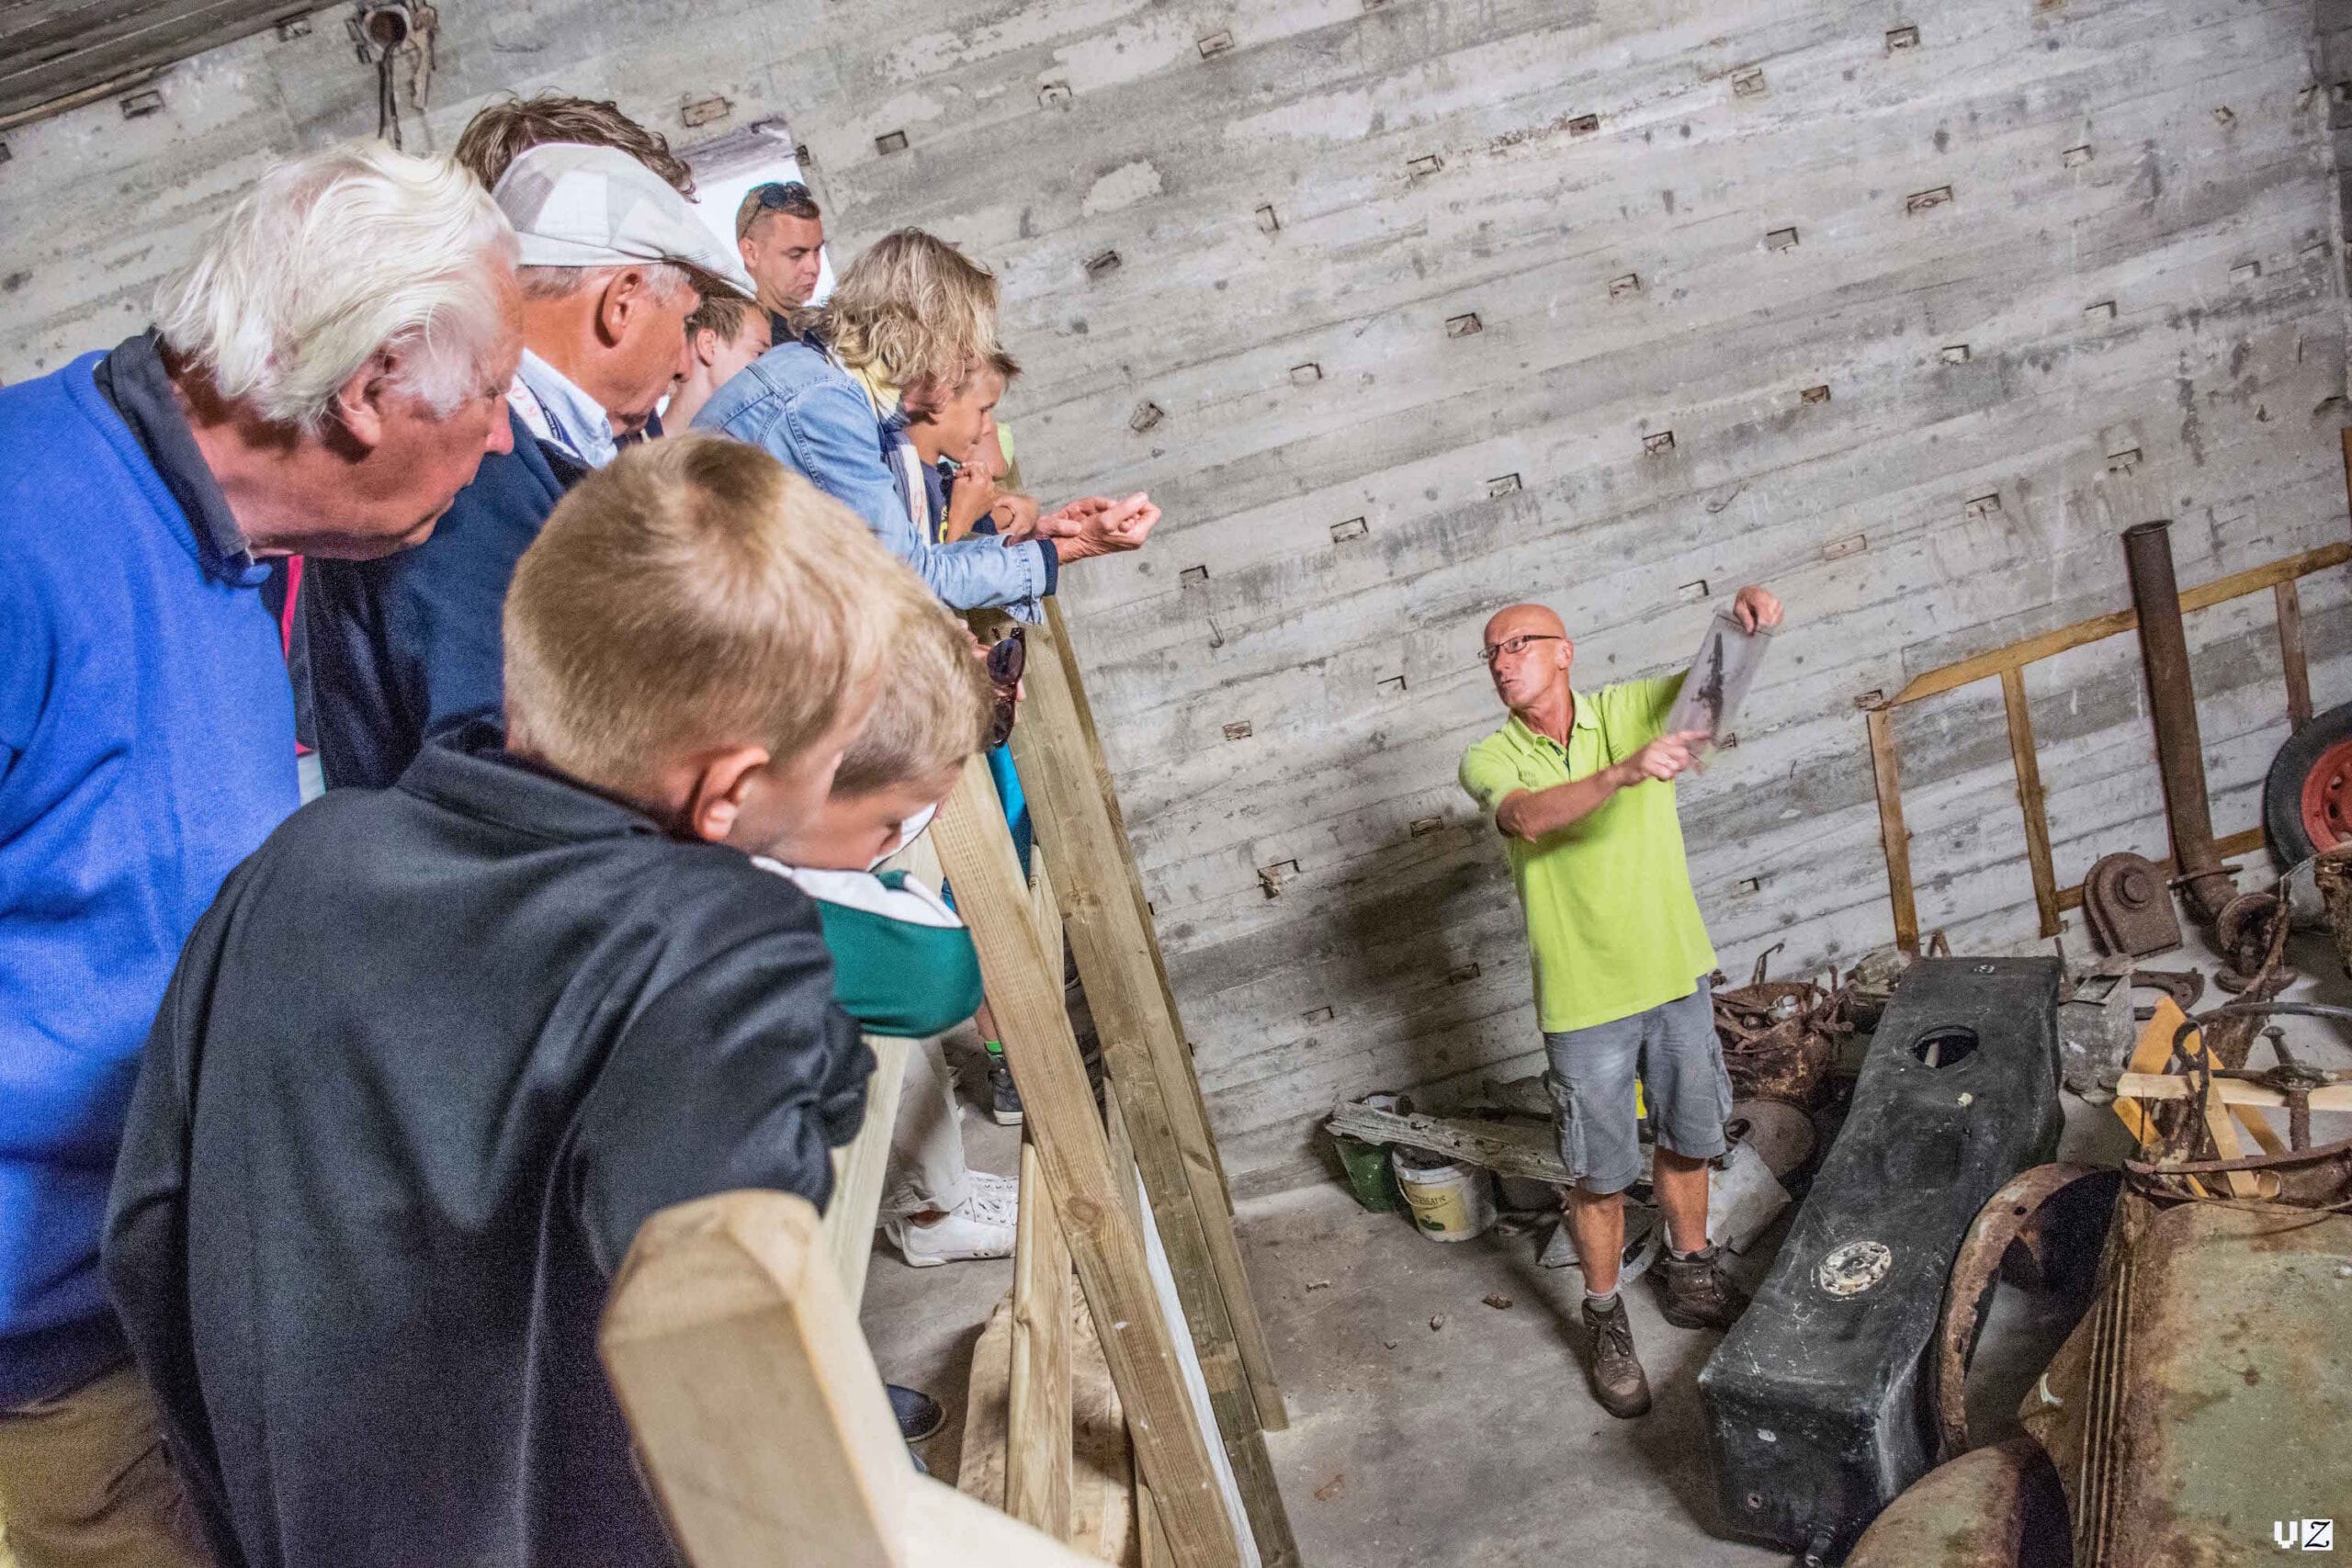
x: 1004, y: 1101
x: 919, y: 1415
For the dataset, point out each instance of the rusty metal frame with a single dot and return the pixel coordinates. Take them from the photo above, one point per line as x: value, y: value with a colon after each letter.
x: 2008, y: 664
x: 2005, y: 1217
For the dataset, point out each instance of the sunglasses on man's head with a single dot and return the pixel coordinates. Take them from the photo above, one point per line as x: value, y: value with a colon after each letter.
x: 782, y: 193
x: 1516, y: 645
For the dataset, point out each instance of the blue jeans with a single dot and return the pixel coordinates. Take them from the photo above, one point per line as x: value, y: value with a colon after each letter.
x: 1673, y: 1050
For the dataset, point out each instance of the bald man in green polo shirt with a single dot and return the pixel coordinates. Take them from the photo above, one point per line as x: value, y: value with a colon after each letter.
x: 1581, y: 784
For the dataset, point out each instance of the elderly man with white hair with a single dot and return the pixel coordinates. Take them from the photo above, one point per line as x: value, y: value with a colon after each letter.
x: 323, y: 378
x: 614, y: 260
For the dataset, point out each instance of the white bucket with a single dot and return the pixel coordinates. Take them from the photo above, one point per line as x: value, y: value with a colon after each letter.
x: 1450, y: 1202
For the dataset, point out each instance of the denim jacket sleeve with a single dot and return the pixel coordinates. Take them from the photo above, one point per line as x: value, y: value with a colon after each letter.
x: 829, y: 434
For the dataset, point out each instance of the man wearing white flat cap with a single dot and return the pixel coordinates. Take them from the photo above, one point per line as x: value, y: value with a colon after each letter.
x: 612, y: 262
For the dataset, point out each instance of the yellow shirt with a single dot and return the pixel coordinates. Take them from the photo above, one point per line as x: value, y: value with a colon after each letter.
x: 1613, y: 925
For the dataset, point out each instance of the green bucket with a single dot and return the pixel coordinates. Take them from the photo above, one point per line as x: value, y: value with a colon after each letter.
x: 1370, y: 1178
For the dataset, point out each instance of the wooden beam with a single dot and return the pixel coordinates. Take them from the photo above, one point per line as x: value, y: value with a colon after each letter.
x: 858, y: 1168
x: 2231, y: 1092
x: 1984, y: 666
x: 1893, y: 839
x: 1037, y: 1476
x: 944, y: 1526
x: 2294, y: 663
x: 1509, y: 1148
x: 2029, y: 799
x: 1171, y: 1055
x: 757, y: 1411
x: 1025, y: 991
x: 1075, y: 810
x: 2346, y: 434
x: 1045, y: 904
x: 1151, y: 1536
x: 1103, y: 1485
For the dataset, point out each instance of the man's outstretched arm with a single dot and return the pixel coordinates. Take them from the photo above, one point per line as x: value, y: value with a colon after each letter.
x: 1531, y: 814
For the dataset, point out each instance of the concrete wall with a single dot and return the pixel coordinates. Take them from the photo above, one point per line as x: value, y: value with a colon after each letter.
x: 2124, y: 211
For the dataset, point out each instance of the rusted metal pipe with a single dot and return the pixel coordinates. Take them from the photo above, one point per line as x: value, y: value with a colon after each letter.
x: 2172, y: 710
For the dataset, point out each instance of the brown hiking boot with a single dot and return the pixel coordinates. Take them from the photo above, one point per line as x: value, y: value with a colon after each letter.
x: 1617, y: 1378
x: 1697, y: 1293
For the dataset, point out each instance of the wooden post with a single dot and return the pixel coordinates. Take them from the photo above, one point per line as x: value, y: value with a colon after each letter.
x: 1025, y: 992
x: 756, y: 1408
x: 858, y: 1168
x: 1891, y: 836
x: 1037, y: 1471
x: 2030, y: 800
x: 1076, y: 813
x: 1151, y: 1536
x: 2294, y: 662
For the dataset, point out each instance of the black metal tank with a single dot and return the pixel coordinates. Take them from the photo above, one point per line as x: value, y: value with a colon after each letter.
x: 1817, y: 1400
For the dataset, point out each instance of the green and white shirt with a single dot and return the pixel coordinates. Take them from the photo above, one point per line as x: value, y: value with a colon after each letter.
x: 903, y: 963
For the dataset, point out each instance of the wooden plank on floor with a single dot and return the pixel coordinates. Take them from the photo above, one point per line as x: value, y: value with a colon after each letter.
x: 858, y: 1168
x: 1103, y: 1471
x: 980, y: 1471
x: 1025, y: 992
x: 1509, y: 1148
x: 1037, y: 1448
x: 1075, y: 809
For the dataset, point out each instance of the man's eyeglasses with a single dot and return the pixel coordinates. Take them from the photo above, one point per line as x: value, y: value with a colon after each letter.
x: 1516, y: 645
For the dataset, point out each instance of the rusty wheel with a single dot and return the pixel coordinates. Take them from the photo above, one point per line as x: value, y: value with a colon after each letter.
x: 2327, y: 797
x: 2307, y: 799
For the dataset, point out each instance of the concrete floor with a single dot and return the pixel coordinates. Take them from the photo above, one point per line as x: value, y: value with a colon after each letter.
x: 1476, y: 1441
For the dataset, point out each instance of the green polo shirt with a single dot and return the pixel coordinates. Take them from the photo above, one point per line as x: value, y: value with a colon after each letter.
x: 1613, y: 925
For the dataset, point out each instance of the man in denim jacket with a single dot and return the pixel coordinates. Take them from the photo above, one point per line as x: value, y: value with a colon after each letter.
x: 910, y: 322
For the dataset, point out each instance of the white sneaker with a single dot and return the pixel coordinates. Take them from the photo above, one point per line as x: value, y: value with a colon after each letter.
x: 983, y: 1225
x: 989, y: 1184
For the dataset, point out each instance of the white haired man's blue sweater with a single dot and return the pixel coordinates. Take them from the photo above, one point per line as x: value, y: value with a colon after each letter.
x: 146, y: 747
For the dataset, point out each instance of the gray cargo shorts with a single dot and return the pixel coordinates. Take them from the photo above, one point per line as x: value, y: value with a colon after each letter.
x: 1673, y: 1050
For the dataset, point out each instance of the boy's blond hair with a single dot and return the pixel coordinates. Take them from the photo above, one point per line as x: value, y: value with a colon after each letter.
x: 931, y: 710
x: 693, y: 593
x: 912, y: 308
